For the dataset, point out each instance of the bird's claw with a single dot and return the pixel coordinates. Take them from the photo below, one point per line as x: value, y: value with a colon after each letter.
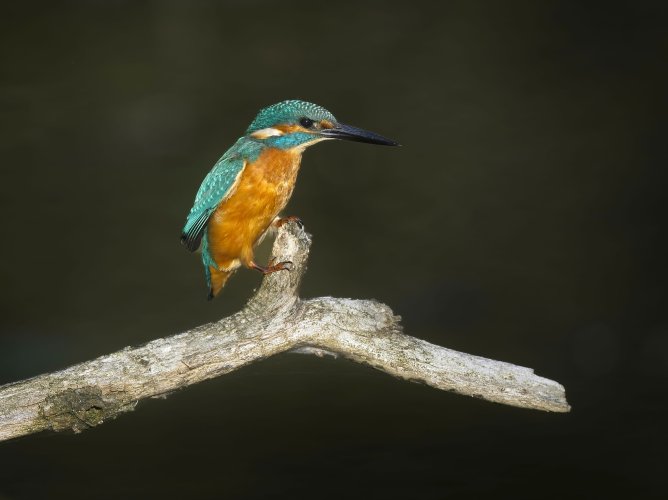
x: 272, y: 268
x: 287, y: 265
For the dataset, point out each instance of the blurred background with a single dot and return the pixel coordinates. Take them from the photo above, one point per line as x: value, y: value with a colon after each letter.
x: 522, y: 220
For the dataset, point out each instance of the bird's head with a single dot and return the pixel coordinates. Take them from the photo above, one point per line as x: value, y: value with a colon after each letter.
x: 291, y: 124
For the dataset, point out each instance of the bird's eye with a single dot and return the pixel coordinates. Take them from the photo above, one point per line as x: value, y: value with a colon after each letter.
x: 306, y: 122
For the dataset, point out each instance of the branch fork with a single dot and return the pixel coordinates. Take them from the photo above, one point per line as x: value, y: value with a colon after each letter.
x: 275, y: 320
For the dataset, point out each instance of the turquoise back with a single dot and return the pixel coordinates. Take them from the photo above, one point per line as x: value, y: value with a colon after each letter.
x: 215, y: 188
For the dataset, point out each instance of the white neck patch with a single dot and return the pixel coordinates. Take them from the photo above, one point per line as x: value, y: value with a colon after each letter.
x: 263, y: 133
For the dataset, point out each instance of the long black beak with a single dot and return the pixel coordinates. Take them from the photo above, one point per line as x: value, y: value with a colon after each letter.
x: 350, y: 133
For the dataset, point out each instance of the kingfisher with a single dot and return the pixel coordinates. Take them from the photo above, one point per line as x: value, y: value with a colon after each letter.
x: 241, y: 198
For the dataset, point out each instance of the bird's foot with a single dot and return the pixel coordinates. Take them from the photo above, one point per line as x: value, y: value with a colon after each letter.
x: 279, y: 221
x: 272, y: 268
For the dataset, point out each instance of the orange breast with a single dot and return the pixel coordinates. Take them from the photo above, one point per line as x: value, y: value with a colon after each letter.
x: 263, y: 191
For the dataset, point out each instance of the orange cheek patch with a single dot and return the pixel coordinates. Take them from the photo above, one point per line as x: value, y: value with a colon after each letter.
x: 289, y: 129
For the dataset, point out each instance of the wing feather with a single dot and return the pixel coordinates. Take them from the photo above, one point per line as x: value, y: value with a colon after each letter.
x: 192, y: 234
x: 218, y: 185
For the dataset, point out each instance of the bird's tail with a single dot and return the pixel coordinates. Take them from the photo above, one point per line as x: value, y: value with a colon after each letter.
x: 216, y: 279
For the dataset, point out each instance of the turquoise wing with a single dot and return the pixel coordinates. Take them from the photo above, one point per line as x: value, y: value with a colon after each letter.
x: 215, y: 188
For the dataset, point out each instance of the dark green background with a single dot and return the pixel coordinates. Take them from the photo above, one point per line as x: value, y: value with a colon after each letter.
x: 522, y: 220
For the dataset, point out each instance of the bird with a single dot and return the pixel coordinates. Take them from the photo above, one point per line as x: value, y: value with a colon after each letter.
x: 241, y: 198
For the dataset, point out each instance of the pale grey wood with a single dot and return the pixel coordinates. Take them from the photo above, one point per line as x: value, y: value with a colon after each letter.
x: 274, y: 321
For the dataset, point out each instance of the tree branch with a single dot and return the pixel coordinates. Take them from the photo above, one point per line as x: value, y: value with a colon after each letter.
x: 274, y: 321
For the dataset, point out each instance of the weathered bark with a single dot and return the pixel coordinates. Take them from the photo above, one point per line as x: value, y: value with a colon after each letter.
x: 275, y: 320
